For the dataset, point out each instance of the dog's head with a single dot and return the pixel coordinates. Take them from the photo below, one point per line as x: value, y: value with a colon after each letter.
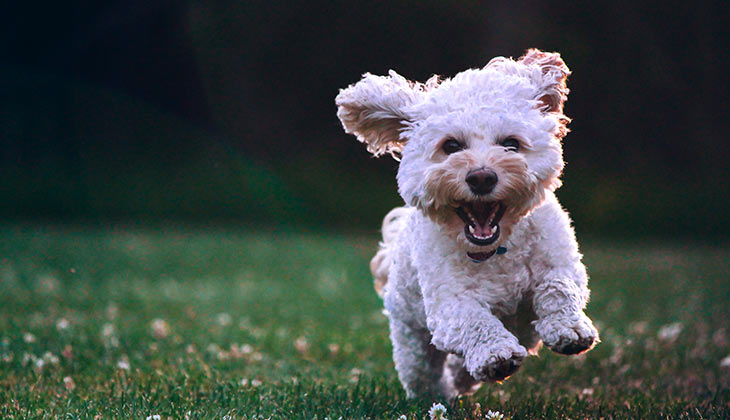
x: 478, y: 151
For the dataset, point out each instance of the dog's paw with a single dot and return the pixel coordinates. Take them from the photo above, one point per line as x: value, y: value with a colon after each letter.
x: 496, y: 362
x: 568, y: 334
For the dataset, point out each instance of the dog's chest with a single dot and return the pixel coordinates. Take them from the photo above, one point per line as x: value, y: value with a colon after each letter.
x: 503, y: 282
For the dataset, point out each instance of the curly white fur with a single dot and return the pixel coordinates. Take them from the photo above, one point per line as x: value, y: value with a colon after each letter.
x: 455, y: 321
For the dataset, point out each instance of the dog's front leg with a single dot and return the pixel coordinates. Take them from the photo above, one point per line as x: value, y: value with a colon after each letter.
x: 461, y: 323
x: 559, y: 301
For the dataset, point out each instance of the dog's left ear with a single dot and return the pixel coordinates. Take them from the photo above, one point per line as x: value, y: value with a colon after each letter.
x: 375, y: 110
x: 552, y: 91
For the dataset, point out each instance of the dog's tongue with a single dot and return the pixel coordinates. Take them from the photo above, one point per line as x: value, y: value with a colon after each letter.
x: 481, y: 213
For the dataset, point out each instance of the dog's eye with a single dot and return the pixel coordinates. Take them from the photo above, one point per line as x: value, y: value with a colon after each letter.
x: 511, y: 144
x: 452, y: 146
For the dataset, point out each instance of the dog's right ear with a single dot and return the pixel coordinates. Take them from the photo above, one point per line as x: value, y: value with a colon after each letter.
x: 375, y: 110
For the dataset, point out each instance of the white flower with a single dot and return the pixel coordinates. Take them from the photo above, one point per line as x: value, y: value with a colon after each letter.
x: 494, y: 415
x: 403, y: 417
x: 62, y: 324
x: 725, y: 363
x: 301, y: 344
x: 670, y: 332
x: 51, y: 358
x: 28, y: 338
x: 107, y: 330
x: 437, y: 412
x: 223, y: 319
x: 154, y: 417
x: 68, y: 383
x: 160, y: 328
x: 123, y: 363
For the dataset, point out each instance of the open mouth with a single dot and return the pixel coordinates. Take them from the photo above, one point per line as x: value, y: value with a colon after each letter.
x: 481, y: 221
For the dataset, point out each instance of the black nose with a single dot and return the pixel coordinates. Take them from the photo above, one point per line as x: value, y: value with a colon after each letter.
x: 481, y: 181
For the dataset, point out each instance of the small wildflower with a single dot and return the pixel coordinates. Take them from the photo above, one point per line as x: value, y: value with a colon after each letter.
x: 670, y: 332
x: 301, y: 344
x: 333, y: 348
x: 216, y: 351
x: 223, y: 319
x: 123, y: 363
x: 50, y: 358
x: 246, y: 349
x: 437, y: 412
x: 62, y: 324
x: 68, y: 383
x: 160, y: 328
x: 255, y: 383
x: 107, y: 330
x: 494, y: 415
x: 725, y: 363
x: 109, y: 335
x: 355, y: 375
x: 402, y: 417
x: 29, y: 338
x: 244, y: 382
x: 154, y: 417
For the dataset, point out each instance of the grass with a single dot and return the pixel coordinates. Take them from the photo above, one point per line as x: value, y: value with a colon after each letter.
x: 186, y: 322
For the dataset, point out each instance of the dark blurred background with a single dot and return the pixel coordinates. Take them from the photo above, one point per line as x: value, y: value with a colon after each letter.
x: 223, y: 111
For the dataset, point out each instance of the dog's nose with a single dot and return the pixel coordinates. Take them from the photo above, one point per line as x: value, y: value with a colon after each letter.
x: 481, y: 181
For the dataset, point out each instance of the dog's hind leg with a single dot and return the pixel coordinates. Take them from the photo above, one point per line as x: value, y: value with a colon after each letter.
x: 456, y: 379
x: 380, y: 264
x: 419, y: 364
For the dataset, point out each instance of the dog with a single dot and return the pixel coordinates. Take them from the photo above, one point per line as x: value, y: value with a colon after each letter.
x: 481, y: 266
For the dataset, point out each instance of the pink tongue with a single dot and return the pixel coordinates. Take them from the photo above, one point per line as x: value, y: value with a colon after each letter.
x: 482, y: 213
x: 482, y: 230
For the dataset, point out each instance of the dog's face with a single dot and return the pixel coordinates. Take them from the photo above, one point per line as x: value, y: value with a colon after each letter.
x: 478, y: 151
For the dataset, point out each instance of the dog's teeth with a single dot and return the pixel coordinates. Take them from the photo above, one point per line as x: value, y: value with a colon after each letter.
x: 471, y: 229
x: 494, y: 229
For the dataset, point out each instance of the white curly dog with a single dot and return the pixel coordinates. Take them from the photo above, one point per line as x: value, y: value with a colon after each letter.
x: 482, y: 264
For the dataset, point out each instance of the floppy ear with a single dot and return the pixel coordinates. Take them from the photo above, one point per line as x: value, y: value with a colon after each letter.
x: 552, y: 91
x: 374, y: 109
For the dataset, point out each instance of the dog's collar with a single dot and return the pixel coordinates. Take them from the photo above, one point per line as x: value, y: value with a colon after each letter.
x: 479, y: 257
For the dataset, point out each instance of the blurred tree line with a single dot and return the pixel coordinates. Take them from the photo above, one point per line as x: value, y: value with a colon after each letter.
x: 224, y: 110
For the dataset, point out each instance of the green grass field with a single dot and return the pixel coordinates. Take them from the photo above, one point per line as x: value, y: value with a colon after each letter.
x: 183, y: 322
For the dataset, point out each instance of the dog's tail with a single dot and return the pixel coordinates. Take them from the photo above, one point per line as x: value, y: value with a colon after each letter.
x: 380, y: 264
